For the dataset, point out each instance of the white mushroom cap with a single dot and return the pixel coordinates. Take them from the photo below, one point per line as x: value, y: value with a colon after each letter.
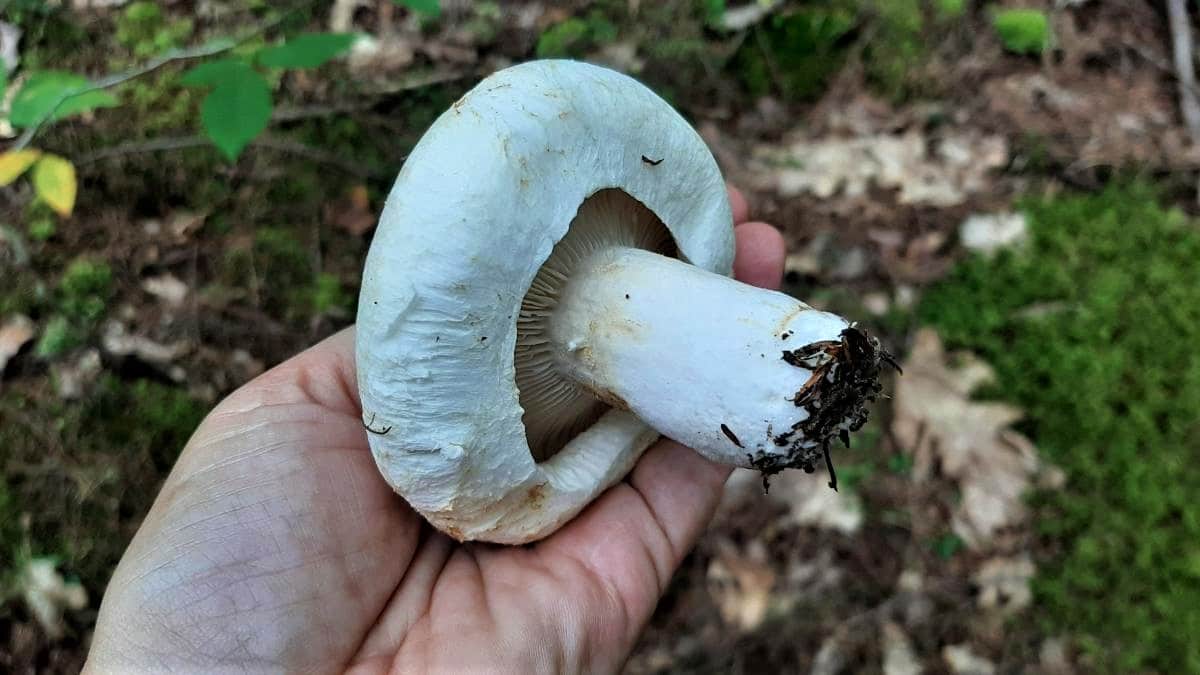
x: 476, y: 211
x: 520, y: 283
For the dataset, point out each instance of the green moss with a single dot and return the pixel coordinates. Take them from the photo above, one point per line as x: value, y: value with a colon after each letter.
x: 1108, y: 373
x: 144, y: 30
x: 950, y: 8
x: 21, y: 293
x: 575, y: 36
x: 794, y: 54
x: 41, y: 229
x: 100, y: 461
x: 58, y: 336
x: 159, y: 103
x: 328, y: 295
x: 77, y: 303
x: 84, y: 290
x: 1022, y: 31
x: 893, y: 57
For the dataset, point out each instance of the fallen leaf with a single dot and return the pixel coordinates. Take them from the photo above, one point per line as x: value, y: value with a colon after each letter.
x: 936, y: 420
x: 989, y: 233
x: 352, y: 212
x: 16, y: 162
x: 373, y: 57
x: 15, y: 332
x: 622, y: 56
x: 1004, y: 584
x: 898, y: 655
x: 55, y: 183
x: 808, y: 498
x: 341, y: 15
x: 118, y: 342
x: 449, y: 53
x: 48, y: 595
x: 181, y: 224
x: 831, y: 657
x: 1054, y: 658
x: 741, y: 586
x: 924, y: 173
x: 962, y: 661
x: 71, y: 379
x: 166, y: 287
x: 744, y: 16
x: 877, y: 303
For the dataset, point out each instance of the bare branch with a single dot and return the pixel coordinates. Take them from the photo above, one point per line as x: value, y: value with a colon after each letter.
x: 167, y: 144
x: 211, y: 48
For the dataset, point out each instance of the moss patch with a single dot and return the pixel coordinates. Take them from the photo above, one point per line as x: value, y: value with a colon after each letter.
x: 794, y: 54
x: 1094, y: 331
x: 1022, y: 31
x: 78, y: 472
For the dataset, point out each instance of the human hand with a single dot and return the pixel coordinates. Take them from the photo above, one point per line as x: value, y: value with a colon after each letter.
x: 275, y: 545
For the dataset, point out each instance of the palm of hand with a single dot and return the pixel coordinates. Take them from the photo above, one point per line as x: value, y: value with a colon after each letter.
x: 274, y: 545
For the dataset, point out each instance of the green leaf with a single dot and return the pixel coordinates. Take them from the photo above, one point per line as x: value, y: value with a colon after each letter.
x: 1023, y: 31
x: 430, y: 8
x: 42, y: 98
x: 239, y: 106
x: 309, y: 50
x: 15, y: 162
x: 54, y: 182
x: 213, y: 73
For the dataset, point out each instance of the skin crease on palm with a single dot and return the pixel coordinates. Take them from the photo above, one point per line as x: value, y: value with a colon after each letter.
x: 275, y: 545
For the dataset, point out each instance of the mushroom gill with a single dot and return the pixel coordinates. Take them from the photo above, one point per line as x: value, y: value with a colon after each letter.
x: 557, y: 407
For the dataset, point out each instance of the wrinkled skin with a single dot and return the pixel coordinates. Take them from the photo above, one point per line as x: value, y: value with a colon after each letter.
x: 275, y: 545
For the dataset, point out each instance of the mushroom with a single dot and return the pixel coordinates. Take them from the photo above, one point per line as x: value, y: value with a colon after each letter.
x: 548, y: 291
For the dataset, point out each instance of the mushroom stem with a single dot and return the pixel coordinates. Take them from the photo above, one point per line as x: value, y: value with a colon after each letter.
x: 746, y: 376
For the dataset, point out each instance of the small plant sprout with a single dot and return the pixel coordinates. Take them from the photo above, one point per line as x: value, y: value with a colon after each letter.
x: 530, y: 215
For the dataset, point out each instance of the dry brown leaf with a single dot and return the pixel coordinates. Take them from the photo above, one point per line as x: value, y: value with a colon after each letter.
x: 71, y: 379
x: 940, y: 174
x: 988, y: 233
x: 740, y: 583
x: 166, y: 287
x: 1004, y: 584
x: 963, y: 661
x: 117, y: 341
x: 48, y: 595
x: 15, y: 332
x: 808, y: 498
x: 352, y: 212
x: 936, y: 420
x: 898, y: 655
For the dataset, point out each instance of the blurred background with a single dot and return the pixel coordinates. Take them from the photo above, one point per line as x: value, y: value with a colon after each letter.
x: 1005, y: 191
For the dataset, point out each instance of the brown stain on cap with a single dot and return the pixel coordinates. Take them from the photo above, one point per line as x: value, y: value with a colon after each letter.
x: 536, y: 497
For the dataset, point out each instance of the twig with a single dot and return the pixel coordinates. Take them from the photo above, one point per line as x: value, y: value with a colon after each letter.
x: 113, y: 80
x: 265, y: 142
x: 1181, y: 42
x: 314, y: 154
x: 210, y: 49
x: 139, y: 147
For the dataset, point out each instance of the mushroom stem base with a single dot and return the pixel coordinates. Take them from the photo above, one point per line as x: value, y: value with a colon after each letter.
x: 746, y: 376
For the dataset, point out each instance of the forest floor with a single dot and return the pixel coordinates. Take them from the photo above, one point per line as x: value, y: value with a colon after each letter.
x: 1010, y: 206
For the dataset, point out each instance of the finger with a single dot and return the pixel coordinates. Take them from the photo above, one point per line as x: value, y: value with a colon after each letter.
x: 324, y: 374
x: 760, y: 255
x: 738, y: 204
x: 633, y: 538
